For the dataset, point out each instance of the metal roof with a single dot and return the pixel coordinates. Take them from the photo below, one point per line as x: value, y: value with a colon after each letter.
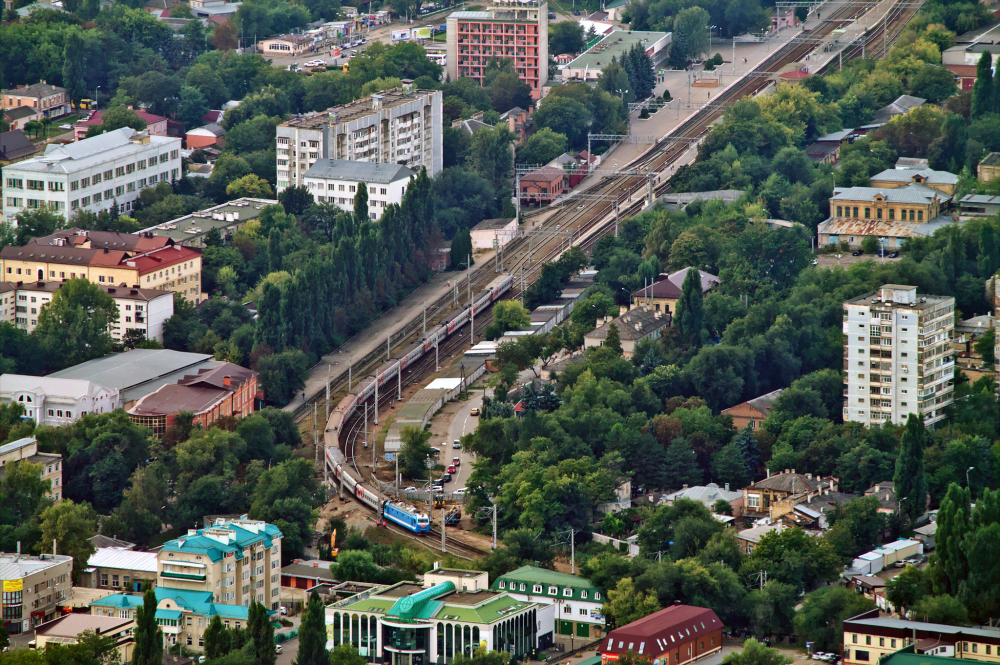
x: 909, y: 174
x: 139, y: 371
x: 116, y: 557
x: 16, y: 567
x: 101, y: 149
x: 615, y: 45
x: 8, y: 448
x: 912, y: 193
x: 343, y: 169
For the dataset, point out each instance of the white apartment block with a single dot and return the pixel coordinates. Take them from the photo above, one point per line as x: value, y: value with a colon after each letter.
x: 336, y: 181
x: 401, y: 126
x: 897, y: 356
x: 142, y: 309
x: 54, y: 402
x: 91, y: 174
x: 237, y: 560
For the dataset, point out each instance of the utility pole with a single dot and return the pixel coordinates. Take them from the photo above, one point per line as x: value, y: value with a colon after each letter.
x: 444, y: 547
x: 316, y: 432
x: 494, y: 545
x: 425, y: 319
x: 350, y: 366
x: 376, y: 400
x: 572, y: 552
x: 366, y: 424
x: 388, y: 348
x: 328, y: 392
x: 437, y: 362
x: 399, y: 383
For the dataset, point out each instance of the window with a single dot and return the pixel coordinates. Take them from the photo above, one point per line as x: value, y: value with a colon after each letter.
x: 868, y: 213
x: 975, y: 647
x: 567, y: 609
x: 57, y: 187
x: 535, y: 589
x: 583, y: 594
x: 109, y: 174
x: 104, y: 580
x: 523, y: 587
x: 878, y: 213
x: 868, y: 639
x: 881, y: 641
x: 553, y: 591
x: 860, y: 655
x: 840, y: 211
x: 74, y: 185
x: 892, y: 643
x: 892, y: 213
x: 583, y: 611
x: 854, y: 638
x: 119, y: 171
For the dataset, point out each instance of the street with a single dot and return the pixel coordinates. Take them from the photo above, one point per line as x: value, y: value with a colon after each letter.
x: 463, y: 423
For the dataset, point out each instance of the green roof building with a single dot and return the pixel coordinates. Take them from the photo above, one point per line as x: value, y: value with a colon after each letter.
x: 575, y: 603
x: 183, y: 615
x: 413, y: 624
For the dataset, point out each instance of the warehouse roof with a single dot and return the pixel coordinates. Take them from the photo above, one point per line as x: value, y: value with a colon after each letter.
x: 343, y: 169
x: 116, y: 557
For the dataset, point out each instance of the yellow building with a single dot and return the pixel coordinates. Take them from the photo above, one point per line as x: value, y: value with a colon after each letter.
x: 943, y: 181
x: 868, y: 637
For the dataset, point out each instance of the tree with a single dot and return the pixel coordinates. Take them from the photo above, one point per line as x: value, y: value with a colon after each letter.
x: 361, y: 204
x: 613, y: 340
x: 941, y: 609
x: 566, y: 116
x: 510, y: 315
x: 728, y: 467
x: 626, y: 605
x: 216, y: 639
x: 982, y: 91
x: 820, y: 620
x: 249, y: 186
x: 295, y: 199
x: 681, y: 465
x: 261, y: 633
x: 76, y: 324
x: 225, y: 37
x: 116, y: 118
x: 347, y: 654
x: 415, y: 451
x: 23, y: 498
x: 491, y: 156
x: 690, y: 313
x: 508, y: 91
x: 461, y: 250
x: 282, y: 375
x: 906, y: 589
x: 69, y: 525
x: 953, y: 525
x: 34, y: 223
x: 312, y: 634
x: 985, y: 347
x: 693, y: 24
x: 755, y: 653
x: 772, y: 609
x: 565, y: 37
x: 148, y: 648
x: 909, y: 482
x: 543, y: 146
x: 933, y: 83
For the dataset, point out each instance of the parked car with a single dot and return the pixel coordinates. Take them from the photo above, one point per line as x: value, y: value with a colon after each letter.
x: 277, y: 648
x: 456, y: 444
x: 893, y: 255
x: 456, y: 461
x: 316, y: 63
x: 437, y: 487
x: 461, y: 490
x: 474, y: 412
x: 857, y: 252
x: 410, y: 489
x: 283, y: 610
x: 446, y: 478
x: 452, y: 469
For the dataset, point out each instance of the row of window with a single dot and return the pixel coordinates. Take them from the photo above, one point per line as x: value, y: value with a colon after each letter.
x: 846, y: 211
x: 552, y: 590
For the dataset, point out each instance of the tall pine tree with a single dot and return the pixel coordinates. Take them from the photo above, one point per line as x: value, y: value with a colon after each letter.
x: 613, y: 340
x: 312, y: 634
x: 910, y: 483
x: 690, y: 315
x: 746, y: 443
x: 982, y: 91
x: 951, y: 566
x: 148, y: 636
x: 216, y: 637
x: 361, y: 204
x: 261, y: 635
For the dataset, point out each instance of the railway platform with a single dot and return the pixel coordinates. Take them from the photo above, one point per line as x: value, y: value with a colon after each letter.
x: 410, y: 309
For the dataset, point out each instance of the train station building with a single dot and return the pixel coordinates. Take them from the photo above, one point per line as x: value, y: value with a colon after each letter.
x: 413, y: 624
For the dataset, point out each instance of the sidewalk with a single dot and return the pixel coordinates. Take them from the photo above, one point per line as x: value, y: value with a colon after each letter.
x: 390, y: 323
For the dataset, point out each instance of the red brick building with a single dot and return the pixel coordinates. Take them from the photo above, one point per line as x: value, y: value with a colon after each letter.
x: 675, y: 635
x: 543, y: 185
x: 514, y: 29
x: 225, y: 390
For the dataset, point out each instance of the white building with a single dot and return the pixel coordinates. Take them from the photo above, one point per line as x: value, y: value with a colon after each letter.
x: 401, y: 126
x: 897, y: 356
x: 493, y: 233
x: 57, y: 402
x: 336, y: 181
x: 575, y: 604
x: 143, y: 309
x: 26, y: 450
x: 91, y: 174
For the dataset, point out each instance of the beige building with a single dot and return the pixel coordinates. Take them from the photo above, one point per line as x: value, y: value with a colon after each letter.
x: 633, y: 326
x: 120, y: 569
x: 34, y: 587
x: 989, y: 168
x: 236, y: 561
x: 779, y: 493
x: 27, y: 450
x: 67, y: 630
x: 181, y: 615
x: 49, y: 100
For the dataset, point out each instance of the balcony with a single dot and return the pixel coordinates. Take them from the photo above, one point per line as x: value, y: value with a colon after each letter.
x: 193, y: 577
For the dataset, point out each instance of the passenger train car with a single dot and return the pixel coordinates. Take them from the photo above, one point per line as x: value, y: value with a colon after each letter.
x: 398, y: 512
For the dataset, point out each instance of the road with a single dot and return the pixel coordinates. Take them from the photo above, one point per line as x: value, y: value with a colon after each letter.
x: 463, y: 423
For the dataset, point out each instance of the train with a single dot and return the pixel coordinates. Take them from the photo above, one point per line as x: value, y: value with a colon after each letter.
x: 398, y: 512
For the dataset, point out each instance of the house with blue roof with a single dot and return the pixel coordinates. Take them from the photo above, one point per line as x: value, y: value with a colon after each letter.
x: 182, y: 615
x: 235, y: 561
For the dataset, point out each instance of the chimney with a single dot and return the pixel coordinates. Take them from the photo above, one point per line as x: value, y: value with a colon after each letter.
x: 809, y: 476
x: 54, y: 552
x: 768, y: 473
x: 227, y: 381
x: 326, y: 140
x: 793, y: 470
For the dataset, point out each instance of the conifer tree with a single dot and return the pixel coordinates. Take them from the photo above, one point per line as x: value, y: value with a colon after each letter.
x: 361, y: 204
x: 261, y: 634
x: 690, y: 315
x: 951, y: 566
x: 982, y: 91
x: 148, y: 636
x: 312, y: 634
x: 613, y: 340
x: 909, y: 483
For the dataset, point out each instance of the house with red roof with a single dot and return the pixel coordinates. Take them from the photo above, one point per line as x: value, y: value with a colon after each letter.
x: 175, y: 268
x: 156, y: 125
x: 675, y: 635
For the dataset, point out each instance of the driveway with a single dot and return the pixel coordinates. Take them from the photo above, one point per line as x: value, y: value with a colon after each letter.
x: 461, y: 424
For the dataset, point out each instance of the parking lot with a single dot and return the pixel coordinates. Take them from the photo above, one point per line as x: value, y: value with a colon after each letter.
x: 844, y: 259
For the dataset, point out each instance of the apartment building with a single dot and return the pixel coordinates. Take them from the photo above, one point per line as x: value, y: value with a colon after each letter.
x: 897, y: 356
x: 141, y: 309
x: 176, y: 269
x: 68, y: 629
x: 91, y: 174
x: 400, y: 126
x: 236, y: 561
x: 54, y: 402
x: 50, y: 101
x: 336, y: 181
x: 120, y: 568
x: 869, y: 637
x: 26, y: 450
x: 182, y: 615
x: 33, y: 589
x: 514, y: 29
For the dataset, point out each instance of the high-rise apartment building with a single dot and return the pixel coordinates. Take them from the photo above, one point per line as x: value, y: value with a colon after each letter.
x: 401, y: 126
x: 91, y: 174
x: 517, y: 30
x: 897, y: 356
x: 237, y: 560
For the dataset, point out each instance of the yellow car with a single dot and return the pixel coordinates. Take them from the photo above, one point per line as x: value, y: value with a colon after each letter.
x: 474, y: 412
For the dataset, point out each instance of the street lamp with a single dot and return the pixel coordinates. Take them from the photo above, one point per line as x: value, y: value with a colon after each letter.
x: 622, y: 92
x: 967, y: 475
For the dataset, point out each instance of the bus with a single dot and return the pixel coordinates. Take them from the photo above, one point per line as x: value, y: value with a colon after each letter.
x: 437, y: 56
